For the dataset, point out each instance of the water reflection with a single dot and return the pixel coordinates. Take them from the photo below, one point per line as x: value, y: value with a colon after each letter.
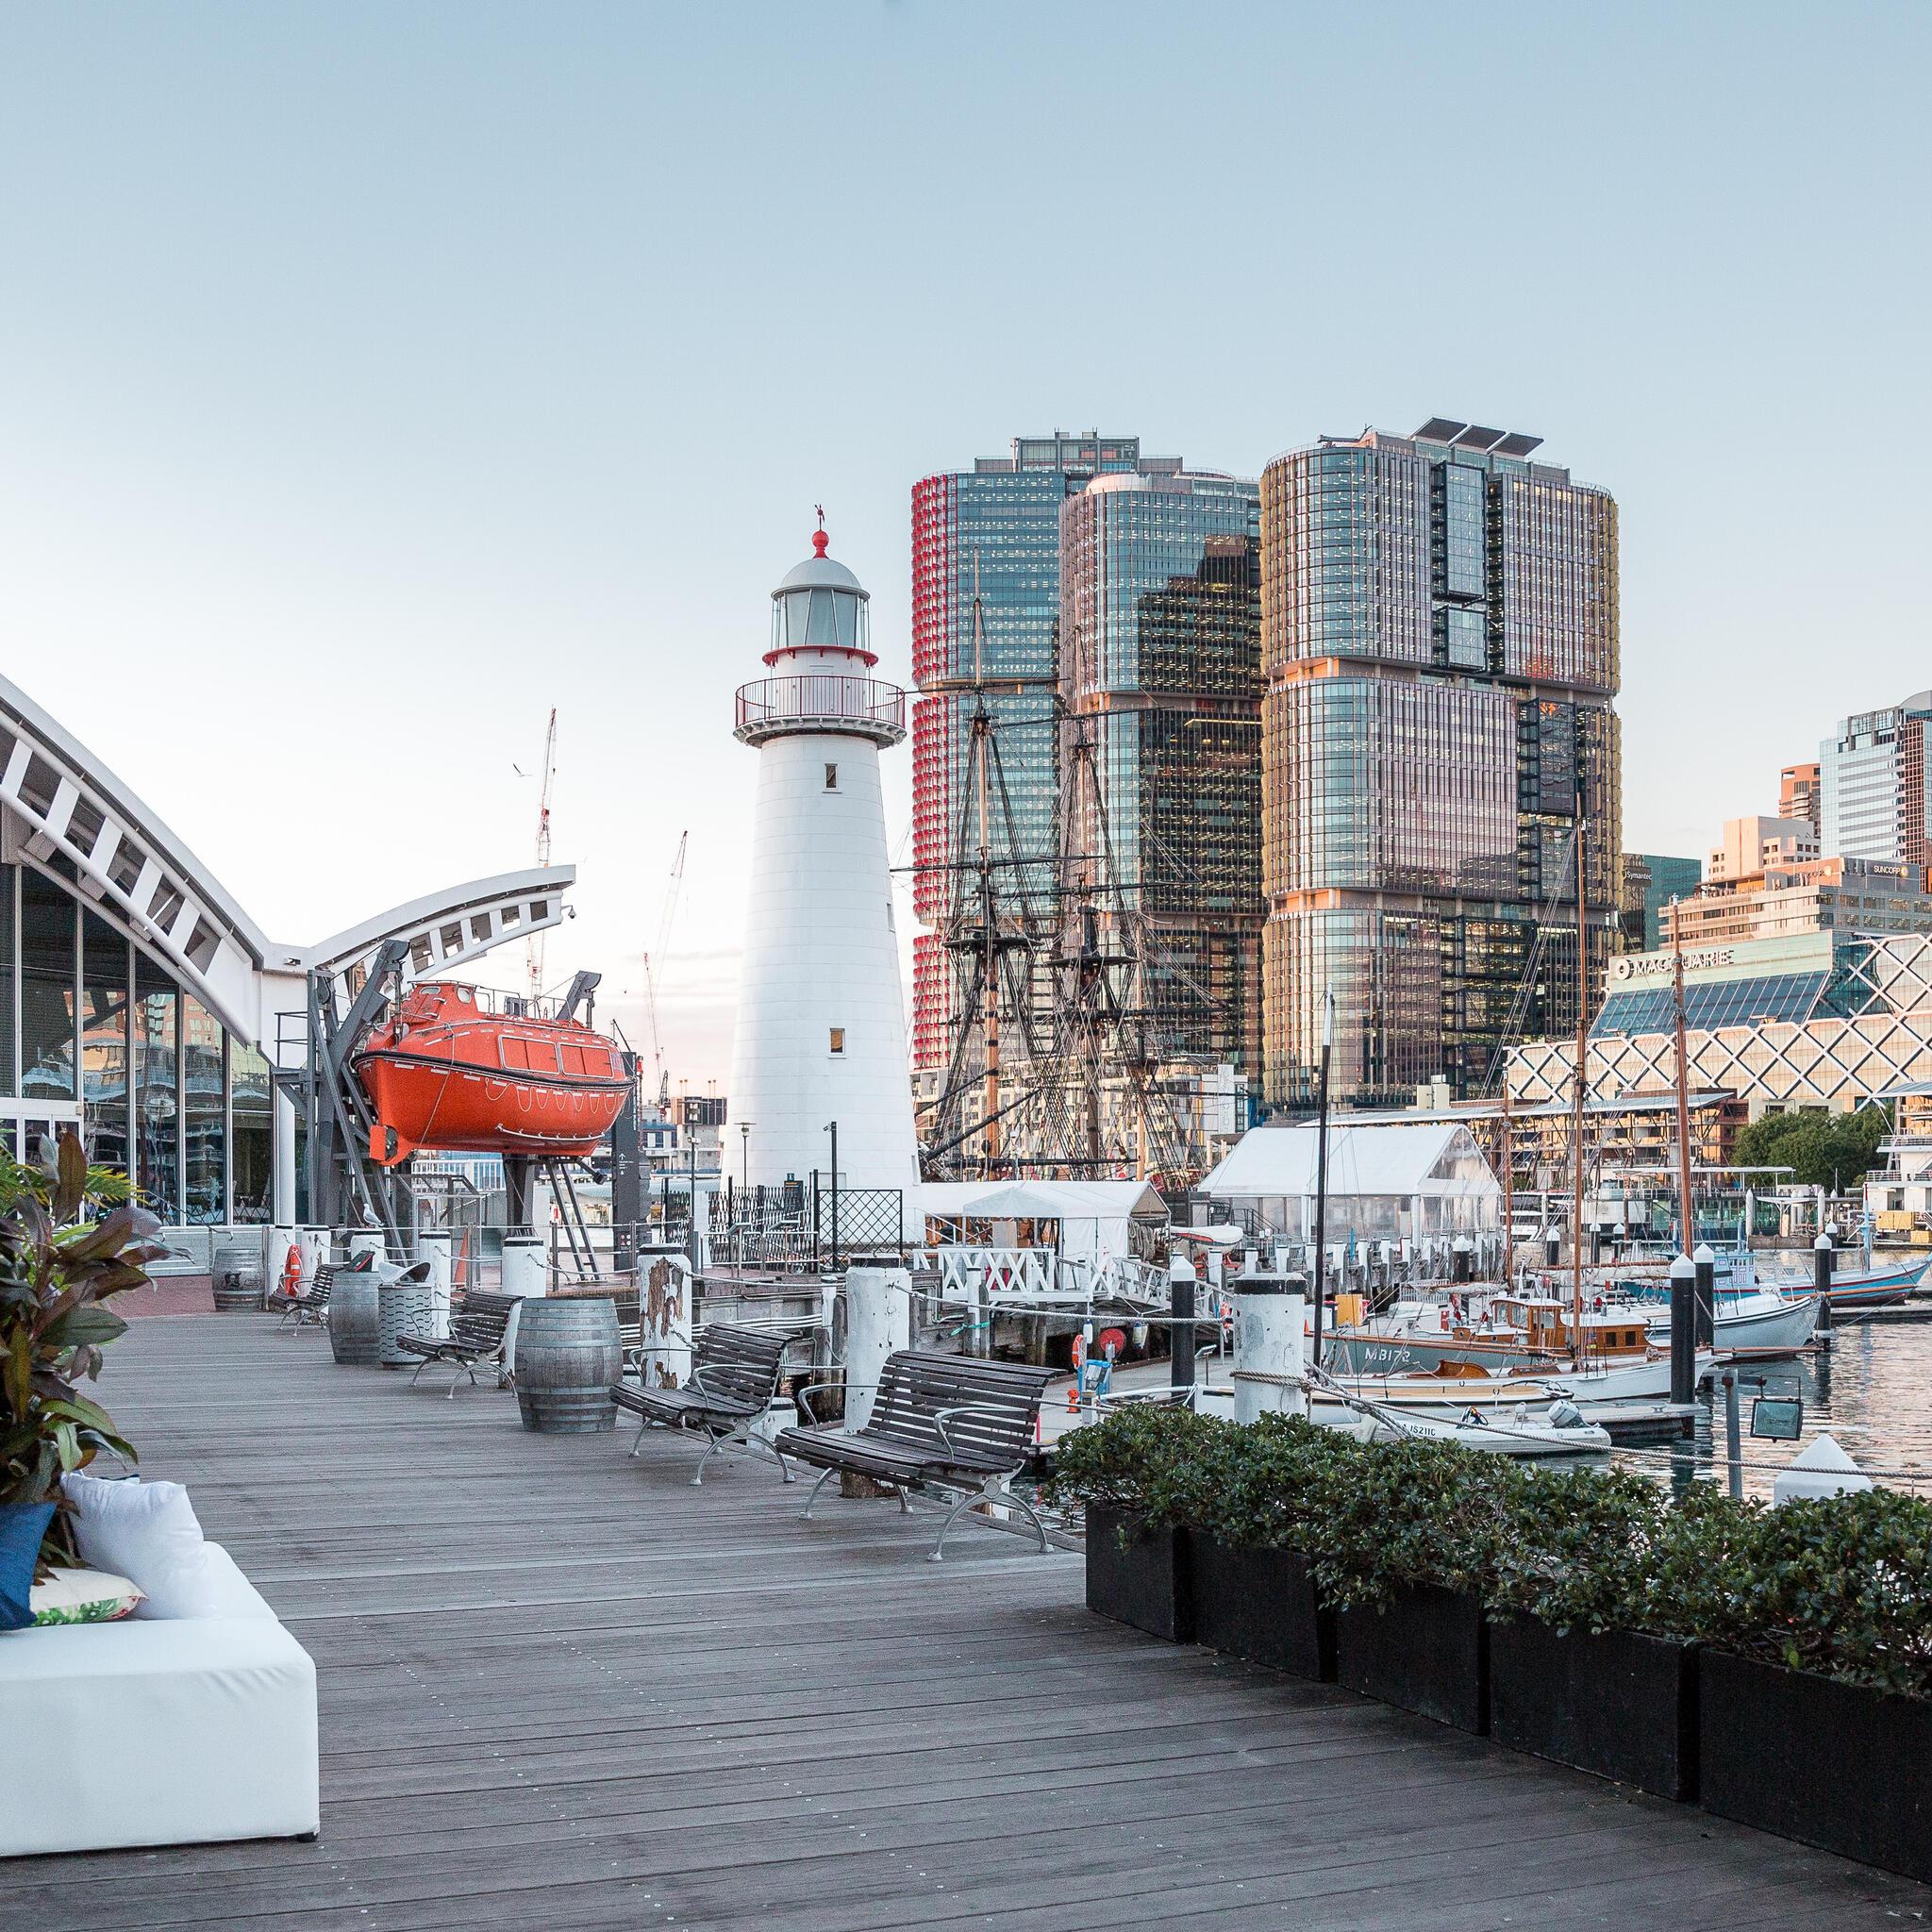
x: 1872, y: 1390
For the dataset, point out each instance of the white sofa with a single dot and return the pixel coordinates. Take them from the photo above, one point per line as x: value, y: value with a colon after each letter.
x: 159, y: 1731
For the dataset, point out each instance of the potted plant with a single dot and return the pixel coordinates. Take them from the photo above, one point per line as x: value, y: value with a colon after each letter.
x: 1255, y: 1595
x: 1815, y: 1682
x: 1140, y: 1476
x: 1573, y: 1674
x: 1411, y: 1544
x: 56, y: 1272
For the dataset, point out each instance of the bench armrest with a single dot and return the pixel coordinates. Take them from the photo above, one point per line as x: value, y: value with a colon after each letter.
x: 697, y: 1382
x: 940, y: 1420
x: 802, y: 1397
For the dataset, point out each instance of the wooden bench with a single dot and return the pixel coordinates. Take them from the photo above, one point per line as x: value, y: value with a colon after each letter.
x: 734, y: 1378
x: 311, y: 1304
x: 476, y: 1340
x: 939, y: 1421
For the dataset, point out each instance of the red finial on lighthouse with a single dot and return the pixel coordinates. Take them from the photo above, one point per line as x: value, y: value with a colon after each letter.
x: 819, y: 539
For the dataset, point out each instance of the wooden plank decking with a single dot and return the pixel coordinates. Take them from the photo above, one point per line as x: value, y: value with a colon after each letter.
x: 562, y: 1689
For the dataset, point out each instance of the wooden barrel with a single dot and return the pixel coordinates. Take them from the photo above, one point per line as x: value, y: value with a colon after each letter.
x: 236, y: 1278
x: 567, y: 1361
x: 355, y: 1319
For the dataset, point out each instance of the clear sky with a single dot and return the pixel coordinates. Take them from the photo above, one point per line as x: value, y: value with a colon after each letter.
x: 378, y: 376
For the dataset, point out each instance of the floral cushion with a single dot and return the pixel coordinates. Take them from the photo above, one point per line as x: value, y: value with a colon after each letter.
x: 83, y: 1596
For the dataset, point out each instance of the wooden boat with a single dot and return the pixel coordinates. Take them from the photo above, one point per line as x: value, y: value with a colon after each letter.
x: 1498, y: 1331
x: 1878, y: 1287
x: 1488, y: 1334
x: 447, y: 1070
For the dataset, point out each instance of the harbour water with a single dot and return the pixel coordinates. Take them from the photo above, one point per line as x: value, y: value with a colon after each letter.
x: 1872, y: 1388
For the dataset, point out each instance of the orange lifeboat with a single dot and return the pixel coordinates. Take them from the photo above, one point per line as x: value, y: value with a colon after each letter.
x: 446, y: 1071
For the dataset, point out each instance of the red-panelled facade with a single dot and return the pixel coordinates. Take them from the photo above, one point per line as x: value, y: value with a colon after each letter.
x: 991, y: 532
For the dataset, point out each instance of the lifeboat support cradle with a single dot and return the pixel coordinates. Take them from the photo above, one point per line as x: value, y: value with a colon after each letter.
x: 337, y: 1112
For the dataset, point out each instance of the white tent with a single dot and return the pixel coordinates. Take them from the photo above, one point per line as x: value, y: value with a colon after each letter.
x: 1391, y: 1180
x: 1094, y: 1216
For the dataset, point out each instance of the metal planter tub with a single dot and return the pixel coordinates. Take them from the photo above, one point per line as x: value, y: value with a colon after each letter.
x: 1426, y: 1650
x: 1835, y: 1765
x: 1613, y: 1702
x: 1261, y: 1606
x: 1139, y: 1576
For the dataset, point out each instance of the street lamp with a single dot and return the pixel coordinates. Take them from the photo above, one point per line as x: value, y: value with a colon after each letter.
x: 832, y: 1128
x: 745, y: 1129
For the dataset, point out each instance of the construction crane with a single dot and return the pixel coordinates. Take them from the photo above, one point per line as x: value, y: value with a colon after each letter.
x: 671, y: 891
x: 536, y: 939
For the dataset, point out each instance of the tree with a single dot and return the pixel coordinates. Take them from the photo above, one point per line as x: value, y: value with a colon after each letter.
x: 1821, y: 1150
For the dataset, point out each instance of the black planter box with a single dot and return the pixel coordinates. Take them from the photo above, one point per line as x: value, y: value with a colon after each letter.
x: 1144, y: 1584
x: 1260, y: 1605
x: 1622, y: 1706
x: 1835, y: 1765
x: 1427, y: 1651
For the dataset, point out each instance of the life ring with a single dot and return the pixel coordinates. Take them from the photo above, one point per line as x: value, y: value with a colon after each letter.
x: 291, y: 1269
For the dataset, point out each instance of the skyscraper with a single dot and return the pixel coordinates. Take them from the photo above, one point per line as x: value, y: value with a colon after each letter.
x: 1651, y: 881
x: 1440, y: 642
x: 1161, y: 671
x: 991, y: 533
x: 1873, y: 784
x: 1797, y: 792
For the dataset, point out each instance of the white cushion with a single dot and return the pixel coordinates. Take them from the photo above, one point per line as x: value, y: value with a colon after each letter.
x: 225, y: 1591
x: 82, y: 1596
x: 149, y: 1532
x: 158, y: 1733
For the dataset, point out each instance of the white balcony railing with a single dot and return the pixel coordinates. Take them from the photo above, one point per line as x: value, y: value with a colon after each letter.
x: 820, y: 701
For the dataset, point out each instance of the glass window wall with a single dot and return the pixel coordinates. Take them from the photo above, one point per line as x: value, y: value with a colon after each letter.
x: 251, y: 1133
x: 204, y: 1115
x: 105, y: 1045
x: 9, y: 885
x: 157, y: 1075
x: 48, y: 987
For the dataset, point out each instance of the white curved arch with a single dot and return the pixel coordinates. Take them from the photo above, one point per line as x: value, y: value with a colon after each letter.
x: 125, y: 859
x: 449, y: 928
x: 124, y: 855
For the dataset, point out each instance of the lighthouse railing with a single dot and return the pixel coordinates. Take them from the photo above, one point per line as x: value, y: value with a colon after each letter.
x: 822, y: 694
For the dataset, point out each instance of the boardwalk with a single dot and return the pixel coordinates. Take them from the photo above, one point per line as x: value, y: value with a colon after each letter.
x: 560, y: 1689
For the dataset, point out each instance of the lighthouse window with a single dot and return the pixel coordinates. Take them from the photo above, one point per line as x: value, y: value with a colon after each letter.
x: 831, y: 777
x: 838, y: 1040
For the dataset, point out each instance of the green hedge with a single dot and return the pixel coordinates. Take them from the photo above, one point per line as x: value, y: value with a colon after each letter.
x: 1842, y: 1586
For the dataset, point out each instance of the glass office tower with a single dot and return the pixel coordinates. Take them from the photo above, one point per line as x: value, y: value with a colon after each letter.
x: 1873, y: 785
x: 1160, y: 673
x: 993, y: 532
x: 1440, y: 646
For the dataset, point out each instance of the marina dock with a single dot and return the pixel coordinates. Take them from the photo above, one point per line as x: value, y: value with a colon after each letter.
x: 564, y: 1688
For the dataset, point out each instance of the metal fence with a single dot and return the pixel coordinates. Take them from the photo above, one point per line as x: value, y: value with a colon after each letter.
x: 806, y: 1223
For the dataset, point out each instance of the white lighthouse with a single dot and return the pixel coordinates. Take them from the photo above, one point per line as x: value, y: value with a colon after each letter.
x: 820, y: 1016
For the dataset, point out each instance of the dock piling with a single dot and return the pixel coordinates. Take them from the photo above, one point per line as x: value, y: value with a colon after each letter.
x: 1683, y: 1329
